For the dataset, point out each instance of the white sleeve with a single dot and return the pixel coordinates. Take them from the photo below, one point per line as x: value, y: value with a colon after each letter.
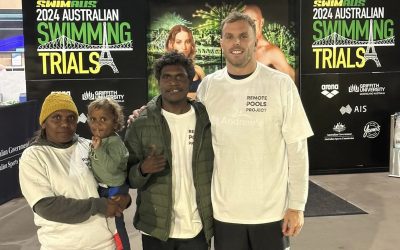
x: 33, y: 178
x: 295, y: 125
x: 202, y: 89
x: 298, y: 174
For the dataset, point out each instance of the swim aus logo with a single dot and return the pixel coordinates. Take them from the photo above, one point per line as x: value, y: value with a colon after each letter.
x: 65, y: 4
x: 338, y: 3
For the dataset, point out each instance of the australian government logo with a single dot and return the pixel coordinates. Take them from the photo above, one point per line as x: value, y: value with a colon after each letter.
x: 367, y: 89
x: 339, y: 133
x: 348, y: 34
x: 77, y: 37
x: 371, y: 130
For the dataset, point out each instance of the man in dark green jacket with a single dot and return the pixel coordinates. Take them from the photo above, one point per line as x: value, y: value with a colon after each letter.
x: 171, y: 163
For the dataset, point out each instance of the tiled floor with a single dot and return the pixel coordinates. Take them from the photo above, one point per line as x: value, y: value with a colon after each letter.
x: 376, y: 193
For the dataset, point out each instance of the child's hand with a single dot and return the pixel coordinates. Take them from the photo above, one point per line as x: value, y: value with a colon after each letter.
x: 96, y: 140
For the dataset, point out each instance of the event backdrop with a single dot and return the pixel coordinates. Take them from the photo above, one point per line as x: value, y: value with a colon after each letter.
x: 346, y: 50
x: 203, y: 18
x: 349, y: 82
x: 88, y: 49
x: 15, y: 133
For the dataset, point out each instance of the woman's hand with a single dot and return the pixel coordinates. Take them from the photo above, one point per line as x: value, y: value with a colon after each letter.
x: 113, y: 209
x: 123, y: 200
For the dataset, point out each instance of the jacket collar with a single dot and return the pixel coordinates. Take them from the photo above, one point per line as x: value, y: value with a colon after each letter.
x: 154, y: 108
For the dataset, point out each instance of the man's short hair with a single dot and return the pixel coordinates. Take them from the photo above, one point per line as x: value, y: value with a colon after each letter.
x: 174, y: 58
x: 237, y: 16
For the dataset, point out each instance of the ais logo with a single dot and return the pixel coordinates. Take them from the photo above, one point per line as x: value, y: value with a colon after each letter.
x: 357, y: 109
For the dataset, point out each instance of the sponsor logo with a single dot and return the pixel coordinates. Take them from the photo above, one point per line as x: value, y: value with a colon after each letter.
x: 339, y: 128
x: 367, y: 89
x: 330, y: 90
x: 8, y: 155
x: 347, y: 109
x: 82, y: 118
x: 357, y: 109
x: 371, y: 130
x: 90, y: 96
x: 63, y: 92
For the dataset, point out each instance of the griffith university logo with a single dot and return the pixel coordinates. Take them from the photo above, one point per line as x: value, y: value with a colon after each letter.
x: 90, y: 96
x: 330, y: 90
x: 367, y: 89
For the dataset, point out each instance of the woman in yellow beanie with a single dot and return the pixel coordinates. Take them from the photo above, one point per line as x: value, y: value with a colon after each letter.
x: 59, y: 186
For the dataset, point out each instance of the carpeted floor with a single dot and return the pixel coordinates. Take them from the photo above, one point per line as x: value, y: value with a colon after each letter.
x: 324, y: 203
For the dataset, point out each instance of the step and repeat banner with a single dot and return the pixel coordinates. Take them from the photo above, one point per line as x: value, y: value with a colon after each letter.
x: 347, y: 74
x: 350, y: 82
x: 88, y: 49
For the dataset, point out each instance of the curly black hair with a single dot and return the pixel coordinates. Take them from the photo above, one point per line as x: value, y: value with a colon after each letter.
x: 174, y: 58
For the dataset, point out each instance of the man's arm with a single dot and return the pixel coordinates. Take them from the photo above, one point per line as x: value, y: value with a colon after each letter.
x: 298, y: 187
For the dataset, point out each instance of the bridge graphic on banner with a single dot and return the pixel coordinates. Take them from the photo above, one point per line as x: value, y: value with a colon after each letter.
x: 335, y: 40
x: 63, y: 44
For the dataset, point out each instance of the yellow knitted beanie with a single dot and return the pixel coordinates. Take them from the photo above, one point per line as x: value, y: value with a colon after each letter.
x: 54, y: 102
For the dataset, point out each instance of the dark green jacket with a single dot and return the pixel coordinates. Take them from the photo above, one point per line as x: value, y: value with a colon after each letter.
x: 154, y: 198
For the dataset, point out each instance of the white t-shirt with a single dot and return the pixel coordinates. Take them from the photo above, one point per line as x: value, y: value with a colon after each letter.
x: 45, y: 171
x: 252, y: 121
x: 185, y: 220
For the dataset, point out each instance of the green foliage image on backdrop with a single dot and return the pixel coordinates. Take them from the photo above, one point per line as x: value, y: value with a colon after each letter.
x: 206, y: 33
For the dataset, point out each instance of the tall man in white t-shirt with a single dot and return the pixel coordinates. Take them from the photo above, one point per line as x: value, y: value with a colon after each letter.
x: 171, y: 163
x: 259, y: 135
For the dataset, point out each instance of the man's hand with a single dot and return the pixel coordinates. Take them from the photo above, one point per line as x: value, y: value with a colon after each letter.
x: 293, y: 221
x: 155, y: 161
x: 135, y: 114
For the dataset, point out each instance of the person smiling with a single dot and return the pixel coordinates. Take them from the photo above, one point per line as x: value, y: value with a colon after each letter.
x: 180, y: 39
x: 259, y: 135
x: 171, y: 163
